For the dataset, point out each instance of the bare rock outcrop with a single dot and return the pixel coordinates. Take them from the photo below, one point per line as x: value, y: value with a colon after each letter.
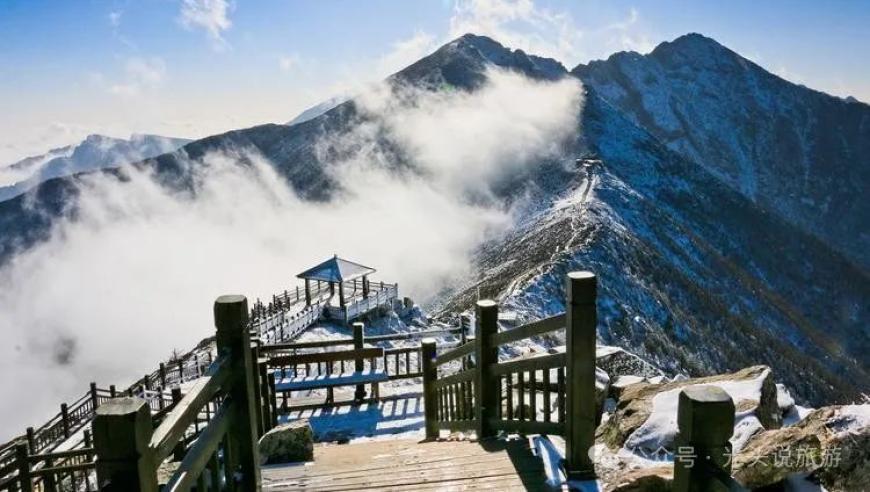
x: 645, y: 415
x: 832, y: 442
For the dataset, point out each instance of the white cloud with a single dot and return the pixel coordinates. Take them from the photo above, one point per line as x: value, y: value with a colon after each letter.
x: 139, y: 74
x: 405, y: 52
x: 519, y: 24
x: 545, y: 32
x: 288, y: 62
x: 135, y: 274
x: 624, y: 35
x: 468, y: 140
x: 209, y: 15
x: 115, y: 18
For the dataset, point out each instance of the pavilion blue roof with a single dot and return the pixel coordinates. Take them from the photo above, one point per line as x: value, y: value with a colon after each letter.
x: 336, y: 269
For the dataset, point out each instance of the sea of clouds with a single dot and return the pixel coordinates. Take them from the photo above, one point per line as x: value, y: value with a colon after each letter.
x: 133, y: 275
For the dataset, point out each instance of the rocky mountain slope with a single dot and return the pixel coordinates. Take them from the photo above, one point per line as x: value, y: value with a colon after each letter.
x: 698, y: 273
x: 801, y: 154
x: 92, y: 153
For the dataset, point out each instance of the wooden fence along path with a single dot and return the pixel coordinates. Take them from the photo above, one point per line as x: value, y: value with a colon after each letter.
x: 482, y: 398
x: 63, y: 441
x: 39, y: 453
x: 206, y: 440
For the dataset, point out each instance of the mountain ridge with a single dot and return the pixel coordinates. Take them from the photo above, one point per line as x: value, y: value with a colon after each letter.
x: 797, y: 152
x: 93, y: 153
x: 678, y: 271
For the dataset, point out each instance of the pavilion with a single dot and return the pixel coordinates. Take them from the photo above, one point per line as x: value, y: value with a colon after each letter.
x: 340, y: 272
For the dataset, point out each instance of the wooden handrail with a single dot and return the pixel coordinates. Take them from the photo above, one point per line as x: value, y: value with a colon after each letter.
x: 461, y: 351
x: 70, y: 453
x: 534, y: 328
x: 474, y: 398
x: 525, y: 364
x: 338, y: 355
x: 410, y: 336
x: 200, y: 453
x: 167, y: 435
x: 283, y: 347
x: 129, y: 450
x: 459, y: 377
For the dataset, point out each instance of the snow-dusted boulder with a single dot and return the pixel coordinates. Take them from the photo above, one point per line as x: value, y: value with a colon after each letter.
x: 602, y: 388
x: 831, y: 442
x: 622, y: 382
x: 647, y: 479
x: 287, y: 443
x: 645, y: 419
x: 617, y: 362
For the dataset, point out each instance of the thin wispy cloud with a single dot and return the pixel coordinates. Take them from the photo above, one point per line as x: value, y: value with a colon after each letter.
x: 405, y: 52
x: 519, y: 24
x: 140, y: 74
x: 115, y: 18
x: 212, y: 16
x: 289, y: 62
x: 625, y: 34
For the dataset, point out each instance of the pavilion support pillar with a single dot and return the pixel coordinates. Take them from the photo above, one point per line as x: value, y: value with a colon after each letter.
x: 332, y: 288
x: 365, y: 286
x: 307, y: 292
x: 341, y: 294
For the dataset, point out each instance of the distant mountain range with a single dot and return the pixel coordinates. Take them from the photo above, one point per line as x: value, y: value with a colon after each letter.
x: 720, y: 205
x: 93, y: 153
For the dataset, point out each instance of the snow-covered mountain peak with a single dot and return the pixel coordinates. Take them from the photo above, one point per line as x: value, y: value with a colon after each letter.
x: 94, y: 152
x: 463, y: 62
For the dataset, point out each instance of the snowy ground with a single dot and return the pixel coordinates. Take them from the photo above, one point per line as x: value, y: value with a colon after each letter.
x: 397, y: 417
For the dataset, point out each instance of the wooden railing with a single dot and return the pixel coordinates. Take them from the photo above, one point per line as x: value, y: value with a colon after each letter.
x: 377, y: 298
x: 270, y: 320
x: 221, y: 454
x: 398, y: 363
x: 275, y: 324
x: 41, y: 442
x: 487, y: 396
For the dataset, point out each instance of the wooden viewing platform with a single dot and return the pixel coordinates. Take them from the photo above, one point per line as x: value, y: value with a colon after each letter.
x: 209, y: 435
x: 413, y: 465
x: 337, y: 289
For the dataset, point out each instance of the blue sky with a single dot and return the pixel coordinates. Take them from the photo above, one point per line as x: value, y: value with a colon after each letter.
x: 197, y: 67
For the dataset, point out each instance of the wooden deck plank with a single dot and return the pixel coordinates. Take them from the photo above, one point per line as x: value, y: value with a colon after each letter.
x: 412, y: 465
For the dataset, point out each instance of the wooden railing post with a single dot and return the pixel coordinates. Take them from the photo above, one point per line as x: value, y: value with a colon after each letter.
x: 95, y: 398
x: 231, y: 321
x: 580, y: 321
x: 178, y: 451
x: 31, y: 440
x: 430, y: 398
x: 273, y: 396
x: 25, y: 480
x: 705, y: 420
x: 358, y: 365
x: 263, y: 375
x: 162, y: 372
x: 88, y: 442
x: 122, y: 431
x: 464, y: 322
x: 113, y: 392
x: 486, y: 390
x: 64, y: 419
x: 258, y: 388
